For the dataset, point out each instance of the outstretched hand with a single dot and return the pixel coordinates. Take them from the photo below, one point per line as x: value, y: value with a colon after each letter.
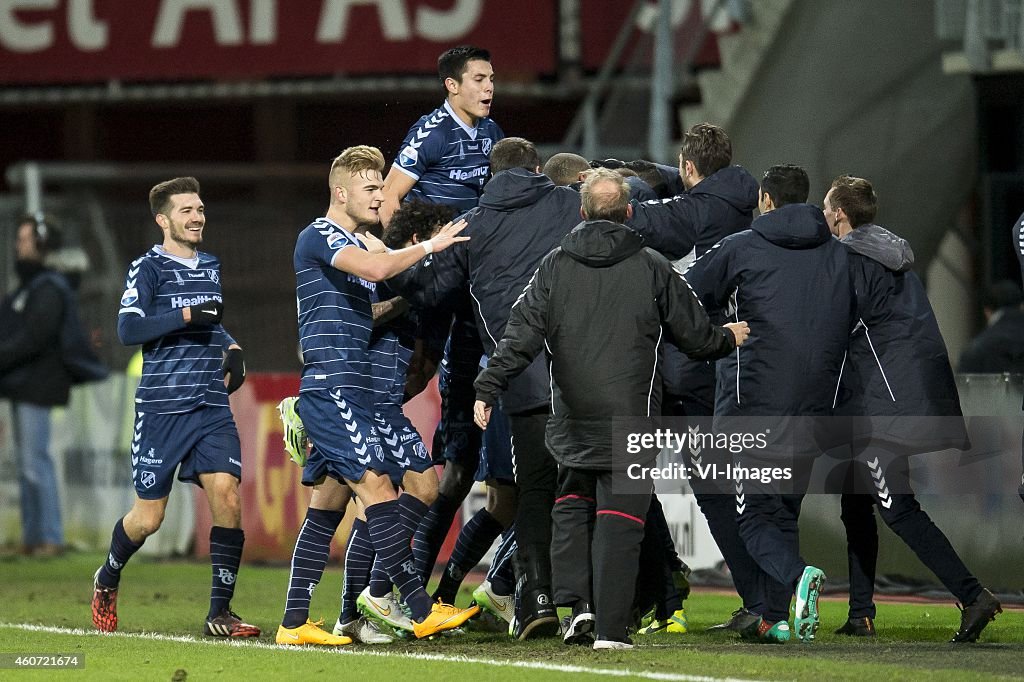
x: 481, y: 413
x: 740, y: 331
x: 447, y: 236
x: 373, y: 245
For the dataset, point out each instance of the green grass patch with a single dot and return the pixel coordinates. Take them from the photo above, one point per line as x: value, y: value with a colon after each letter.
x: 168, y: 599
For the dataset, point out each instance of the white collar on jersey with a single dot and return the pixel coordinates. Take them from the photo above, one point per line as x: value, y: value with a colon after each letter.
x: 192, y: 263
x: 469, y: 131
x: 351, y: 235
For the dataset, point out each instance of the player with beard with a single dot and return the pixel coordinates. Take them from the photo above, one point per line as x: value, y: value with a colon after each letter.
x: 172, y: 305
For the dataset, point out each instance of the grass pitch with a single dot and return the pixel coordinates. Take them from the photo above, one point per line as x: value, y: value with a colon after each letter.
x: 45, y: 610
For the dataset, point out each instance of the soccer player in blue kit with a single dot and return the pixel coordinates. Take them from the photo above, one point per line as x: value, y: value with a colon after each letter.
x: 444, y: 156
x: 336, y: 280
x: 172, y: 305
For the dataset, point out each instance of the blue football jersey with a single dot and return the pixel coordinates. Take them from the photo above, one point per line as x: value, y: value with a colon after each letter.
x: 447, y: 158
x: 391, y: 348
x: 335, y: 317
x: 181, y: 370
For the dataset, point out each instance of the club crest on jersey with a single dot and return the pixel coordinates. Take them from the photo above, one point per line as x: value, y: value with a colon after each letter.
x: 214, y: 276
x: 485, y: 145
x: 408, y: 157
x: 178, y: 279
x: 129, y: 296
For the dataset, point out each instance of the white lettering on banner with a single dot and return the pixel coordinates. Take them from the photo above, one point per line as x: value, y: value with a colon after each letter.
x: 87, y: 32
x: 439, y: 25
x: 431, y: 23
x: 90, y: 34
x: 333, y: 24
x: 263, y: 18
x: 20, y: 36
x: 227, y: 23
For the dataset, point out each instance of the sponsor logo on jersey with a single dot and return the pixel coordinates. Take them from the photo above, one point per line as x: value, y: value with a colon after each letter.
x: 468, y: 175
x: 197, y: 275
x: 186, y: 301
x: 129, y: 296
x: 408, y: 157
x: 372, y: 286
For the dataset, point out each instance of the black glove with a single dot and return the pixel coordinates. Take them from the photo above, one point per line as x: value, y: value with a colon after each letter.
x: 206, y: 313
x: 234, y: 369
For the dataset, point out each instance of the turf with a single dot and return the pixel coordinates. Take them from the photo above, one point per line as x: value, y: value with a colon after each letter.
x: 167, y: 600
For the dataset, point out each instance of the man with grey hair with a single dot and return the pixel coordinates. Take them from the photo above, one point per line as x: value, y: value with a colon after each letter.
x: 600, y: 284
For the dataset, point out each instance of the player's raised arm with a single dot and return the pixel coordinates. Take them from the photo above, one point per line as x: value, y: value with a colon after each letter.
x: 376, y: 267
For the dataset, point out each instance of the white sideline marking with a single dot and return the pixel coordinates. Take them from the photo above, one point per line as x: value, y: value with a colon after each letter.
x: 530, y: 665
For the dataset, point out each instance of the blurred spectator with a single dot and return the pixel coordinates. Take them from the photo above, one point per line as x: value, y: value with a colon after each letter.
x: 1000, y: 346
x: 34, y: 375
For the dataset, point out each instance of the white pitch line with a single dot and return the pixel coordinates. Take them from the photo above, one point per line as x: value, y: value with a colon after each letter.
x: 529, y: 665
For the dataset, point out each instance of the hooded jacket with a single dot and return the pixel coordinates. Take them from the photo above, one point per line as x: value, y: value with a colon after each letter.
x: 719, y: 205
x: 599, y: 306
x: 521, y: 217
x: 897, y: 365
x: 790, y: 280
x: 31, y: 319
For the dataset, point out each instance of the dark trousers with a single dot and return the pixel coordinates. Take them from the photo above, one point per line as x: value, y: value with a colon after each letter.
x: 877, y: 478
x: 596, y: 546
x: 767, y: 516
x: 655, y: 587
x: 536, y: 478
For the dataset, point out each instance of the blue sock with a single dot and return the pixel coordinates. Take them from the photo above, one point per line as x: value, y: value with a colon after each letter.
x: 501, y: 575
x: 121, y: 550
x: 308, y: 561
x: 225, y: 557
x: 410, y: 511
x: 391, y: 543
x: 431, y: 532
x: 358, y: 561
x: 476, y: 538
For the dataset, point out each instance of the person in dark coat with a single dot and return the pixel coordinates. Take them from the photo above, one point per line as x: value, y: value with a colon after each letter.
x: 1000, y: 346
x: 599, y: 305
x: 790, y: 280
x: 897, y: 371
x: 522, y: 216
x: 34, y: 377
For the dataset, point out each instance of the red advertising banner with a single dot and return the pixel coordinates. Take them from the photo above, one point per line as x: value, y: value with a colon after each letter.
x: 274, y: 500
x: 74, y: 41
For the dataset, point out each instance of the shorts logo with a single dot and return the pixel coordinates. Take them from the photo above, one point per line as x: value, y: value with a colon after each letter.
x: 408, y: 157
x: 379, y: 451
x: 148, y: 479
x: 130, y: 296
x: 421, y: 450
x: 226, y: 576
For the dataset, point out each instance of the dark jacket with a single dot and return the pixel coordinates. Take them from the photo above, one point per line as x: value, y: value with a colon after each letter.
x: 721, y: 204
x: 521, y: 217
x: 789, y: 279
x: 599, y: 306
x: 999, y: 347
x: 31, y: 365
x: 897, y: 364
